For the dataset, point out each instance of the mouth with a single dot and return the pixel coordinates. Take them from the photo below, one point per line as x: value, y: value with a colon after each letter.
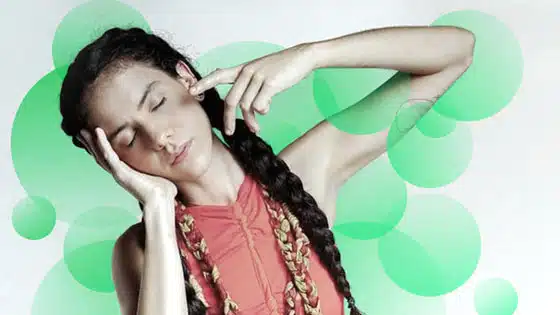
x: 182, y: 154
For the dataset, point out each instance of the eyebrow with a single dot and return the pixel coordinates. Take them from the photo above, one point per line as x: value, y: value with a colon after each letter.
x: 147, y: 91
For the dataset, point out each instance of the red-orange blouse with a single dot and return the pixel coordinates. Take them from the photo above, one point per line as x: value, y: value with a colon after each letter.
x: 241, y: 242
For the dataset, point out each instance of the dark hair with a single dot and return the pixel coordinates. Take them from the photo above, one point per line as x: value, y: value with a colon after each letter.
x: 118, y: 46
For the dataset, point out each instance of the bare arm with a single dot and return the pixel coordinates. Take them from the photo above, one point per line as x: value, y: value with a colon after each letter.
x: 151, y: 282
x: 429, y: 61
x: 148, y: 282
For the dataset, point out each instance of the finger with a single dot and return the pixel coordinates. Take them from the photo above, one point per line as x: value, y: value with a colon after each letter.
x: 251, y: 120
x: 84, y: 144
x: 218, y: 76
x: 262, y: 101
x: 94, y: 150
x: 250, y: 94
x: 229, y: 118
x: 107, y: 152
x: 239, y: 87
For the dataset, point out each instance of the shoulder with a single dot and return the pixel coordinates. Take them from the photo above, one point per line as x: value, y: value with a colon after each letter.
x: 130, y: 239
x: 127, y: 262
x: 129, y: 246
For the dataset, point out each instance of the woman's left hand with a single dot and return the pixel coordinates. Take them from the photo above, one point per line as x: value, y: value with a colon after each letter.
x: 255, y: 82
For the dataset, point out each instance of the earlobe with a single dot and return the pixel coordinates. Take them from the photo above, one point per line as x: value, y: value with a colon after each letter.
x: 199, y: 97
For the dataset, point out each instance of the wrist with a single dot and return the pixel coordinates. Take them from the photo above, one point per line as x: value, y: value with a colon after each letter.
x: 319, y: 53
x: 160, y: 211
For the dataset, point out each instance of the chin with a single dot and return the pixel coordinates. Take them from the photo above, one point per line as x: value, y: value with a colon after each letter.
x: 195, y: 165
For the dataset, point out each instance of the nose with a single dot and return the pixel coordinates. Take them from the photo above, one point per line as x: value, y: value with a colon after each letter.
x: 159, y: 136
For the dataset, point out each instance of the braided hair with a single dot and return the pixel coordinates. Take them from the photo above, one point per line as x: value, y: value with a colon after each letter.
x: 304, y: 223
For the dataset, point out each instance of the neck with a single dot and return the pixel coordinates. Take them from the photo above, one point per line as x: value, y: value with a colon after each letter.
x: 219, y: 184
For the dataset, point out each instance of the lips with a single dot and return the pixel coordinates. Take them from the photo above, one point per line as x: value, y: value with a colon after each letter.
x: 183, y: 152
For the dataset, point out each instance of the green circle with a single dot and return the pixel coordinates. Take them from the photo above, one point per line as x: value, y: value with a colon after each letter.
x: 418, y: 113
x: 88, y: 21
x: 278, y: 134
x: 352, y: 91
x: 60, y: 294
x: 494, y: 75
x: 34, y: 217
x: 292, y: 112
x: 373, y: 291
x: 435, y: 249
x: 89, y: 243
x: 434, y: 125
x: 48, y: 164
x: 371, y: 202
x: 495, y: 297
x: 427, y: 161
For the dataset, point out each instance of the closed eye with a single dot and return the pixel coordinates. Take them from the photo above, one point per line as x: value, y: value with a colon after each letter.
x: 163, y: 99
x: 132, y: 141
x: 160, y: 103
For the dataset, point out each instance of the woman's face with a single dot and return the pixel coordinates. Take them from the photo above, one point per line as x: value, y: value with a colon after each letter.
x: 149, y: 117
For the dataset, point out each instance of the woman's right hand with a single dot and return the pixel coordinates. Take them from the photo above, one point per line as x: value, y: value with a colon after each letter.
x: 146, y: 188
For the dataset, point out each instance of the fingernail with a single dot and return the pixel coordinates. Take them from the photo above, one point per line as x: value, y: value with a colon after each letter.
x: 193, y: 90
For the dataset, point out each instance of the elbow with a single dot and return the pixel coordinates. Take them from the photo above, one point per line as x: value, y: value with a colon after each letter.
x: 471, y: 42
x: 468, y: 40
x: 465, y: 42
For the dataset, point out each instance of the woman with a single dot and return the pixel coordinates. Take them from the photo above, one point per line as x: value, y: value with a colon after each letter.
x: 232, y: 228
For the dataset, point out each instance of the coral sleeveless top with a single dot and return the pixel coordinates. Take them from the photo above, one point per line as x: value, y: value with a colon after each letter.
x: 241, y: 242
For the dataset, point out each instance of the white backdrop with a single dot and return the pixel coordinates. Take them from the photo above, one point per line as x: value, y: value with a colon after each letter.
x: 515, y: 152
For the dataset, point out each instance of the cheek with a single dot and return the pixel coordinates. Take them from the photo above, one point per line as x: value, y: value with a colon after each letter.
x: 193, y: 120
x: 139, y: 160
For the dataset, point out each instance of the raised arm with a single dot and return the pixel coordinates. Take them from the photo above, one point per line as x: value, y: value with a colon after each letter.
x: 429, y: 60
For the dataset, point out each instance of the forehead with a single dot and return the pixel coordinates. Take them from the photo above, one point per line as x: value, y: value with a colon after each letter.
x: 127, y: 83
x: 118, y: 93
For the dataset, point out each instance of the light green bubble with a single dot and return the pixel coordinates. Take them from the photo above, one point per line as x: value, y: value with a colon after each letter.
x: 48, y: 164
x: 426, y: 161
x: 60, y: 294
x: 496, y: 71
x: 373, y: 291
x: 495, y: 297
x: 435, y: 125
x: 292, y: 112
x: 89, y: 243
x: 418, y: 113
x: 369, y: 98
x: 434, y: 249
x: 371, y: 202
x: 88, y: 21
x: 34, y: 217
x: 279, y: 134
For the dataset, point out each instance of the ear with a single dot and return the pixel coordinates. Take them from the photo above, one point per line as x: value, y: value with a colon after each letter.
x: 185, y: 73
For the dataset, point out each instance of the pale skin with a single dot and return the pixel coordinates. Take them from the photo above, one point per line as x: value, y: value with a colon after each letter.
x: 435, y: 57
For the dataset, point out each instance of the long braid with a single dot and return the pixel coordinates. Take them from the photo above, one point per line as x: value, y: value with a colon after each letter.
x: 258, y: 160
x: 295, y: 250
x: 198, y: 247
